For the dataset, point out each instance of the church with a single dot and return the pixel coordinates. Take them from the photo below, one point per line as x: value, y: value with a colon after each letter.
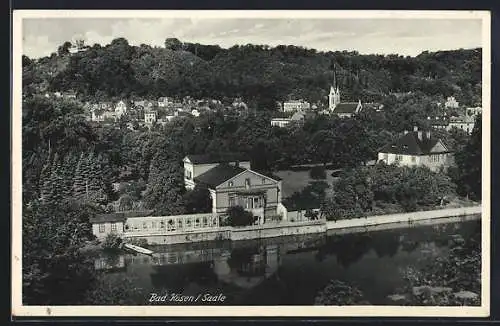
x: 342, y: 109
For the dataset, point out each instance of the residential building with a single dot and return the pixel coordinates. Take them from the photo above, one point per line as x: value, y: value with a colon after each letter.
x: 451, y: 103
x: 150, y: 117
x: 280, y: 122
x: 472, y: 112
x: 465, y: 123
x: 342, y: 109
x: 121, y: 108
x: 194, y: 165
x: 164, y: 101
x: 417, y: 148
x: 438, y: 122
x: 233, y: 185
x: 296, y: 105
x: 297, y: 117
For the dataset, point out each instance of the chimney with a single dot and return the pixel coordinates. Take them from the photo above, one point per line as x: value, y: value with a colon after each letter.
x: 428, y: 134
x: 405, y: 132
x: 415, y: 128
x: 420, y: 135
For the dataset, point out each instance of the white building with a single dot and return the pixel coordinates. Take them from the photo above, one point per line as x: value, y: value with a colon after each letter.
x: 296, y: 105
x: 150, y: 117
x: 417, y: 148
x: 280, y: 122
x: 465, y: 123
x: 451, y: 103
x: 120, y: 108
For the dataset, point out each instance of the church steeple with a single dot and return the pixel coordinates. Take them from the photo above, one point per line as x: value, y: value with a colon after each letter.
x: 334, y: 96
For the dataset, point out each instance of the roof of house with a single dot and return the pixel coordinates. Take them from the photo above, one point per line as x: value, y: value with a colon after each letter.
x: 118, y: 216
x: 410, y: 144
x: 346, y: 107
x: 462, y: 119
x: 218, y: 157
x: 297, y: 116
x: 219, y: 174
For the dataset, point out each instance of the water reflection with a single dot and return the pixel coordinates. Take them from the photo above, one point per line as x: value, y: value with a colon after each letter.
x: 276, y: 269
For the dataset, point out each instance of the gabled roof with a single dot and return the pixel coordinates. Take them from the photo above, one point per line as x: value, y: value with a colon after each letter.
x: 349, y: 107
x: 410, y: 144
x: 218, y: 157
x: 218, y: 175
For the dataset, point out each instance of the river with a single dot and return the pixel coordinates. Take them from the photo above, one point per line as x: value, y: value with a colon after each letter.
x: 287, y: 270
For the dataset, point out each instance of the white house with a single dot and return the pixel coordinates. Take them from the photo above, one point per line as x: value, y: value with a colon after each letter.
x: 295, y: 105
x: 465, y: 123
x: 417, y: 148
x: 194, y: 165
x: 150, y: 117
x: 120, y: 108
x: 451, y: 103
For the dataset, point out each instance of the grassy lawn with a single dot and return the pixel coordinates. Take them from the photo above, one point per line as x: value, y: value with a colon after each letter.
x: 295, y: 181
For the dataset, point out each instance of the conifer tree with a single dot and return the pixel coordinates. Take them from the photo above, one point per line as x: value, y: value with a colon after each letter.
x: 80, y: 180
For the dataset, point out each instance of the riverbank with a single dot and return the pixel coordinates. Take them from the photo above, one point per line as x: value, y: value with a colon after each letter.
x: 286, y: 228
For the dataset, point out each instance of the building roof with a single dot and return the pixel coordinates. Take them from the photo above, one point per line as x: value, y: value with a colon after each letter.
x: 118, y: 216
x: 218, y: 174
x: 462, y: 119
x: 346, y: 107
x: 297, y: 116
x: 218, y: 157
x: 410, y: 144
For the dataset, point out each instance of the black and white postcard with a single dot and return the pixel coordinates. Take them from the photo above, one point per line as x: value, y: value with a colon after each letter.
x: 251, y: 163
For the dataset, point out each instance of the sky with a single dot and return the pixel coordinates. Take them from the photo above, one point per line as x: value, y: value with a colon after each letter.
x: 42, y: 36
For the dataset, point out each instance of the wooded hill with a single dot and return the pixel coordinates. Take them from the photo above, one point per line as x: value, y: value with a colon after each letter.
x: 259, y: 74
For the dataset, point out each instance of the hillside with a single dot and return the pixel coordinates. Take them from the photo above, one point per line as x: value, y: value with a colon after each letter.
x: 259, y: 74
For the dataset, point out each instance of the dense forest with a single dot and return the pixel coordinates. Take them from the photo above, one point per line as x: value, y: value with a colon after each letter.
x: 70, y: 164
x: 259, y: 74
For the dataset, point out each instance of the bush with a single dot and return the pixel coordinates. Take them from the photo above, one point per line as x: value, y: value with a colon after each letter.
x: 112, y: 241
x: 238, y: 216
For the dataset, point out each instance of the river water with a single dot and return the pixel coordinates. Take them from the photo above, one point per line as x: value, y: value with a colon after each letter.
x: 283, y: 271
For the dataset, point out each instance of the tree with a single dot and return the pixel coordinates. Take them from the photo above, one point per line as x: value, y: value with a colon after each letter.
x: 198, y: 200
x: 468, y: 161
x: 173, y: 44
x: 238, y: 216
x: 64, y: 49
x: 54, y: 269
x: 165, y: 188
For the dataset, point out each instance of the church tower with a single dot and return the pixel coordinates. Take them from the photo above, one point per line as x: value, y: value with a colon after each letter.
x: 334, y: 96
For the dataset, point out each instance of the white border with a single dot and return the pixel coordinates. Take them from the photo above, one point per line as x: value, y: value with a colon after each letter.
x: 173, y: 311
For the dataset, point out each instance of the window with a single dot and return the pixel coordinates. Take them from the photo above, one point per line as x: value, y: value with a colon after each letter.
x: 153, y: 225
x: 413, y: 159
x: 230, y: 183
x: 188, y: 174
x: 232, y: 200
x: 399, y: 158
x: 247, y: 183
x: 113, y: 226
x: 102, y: 228
x: 144, y: 225
x: 386, y: 156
